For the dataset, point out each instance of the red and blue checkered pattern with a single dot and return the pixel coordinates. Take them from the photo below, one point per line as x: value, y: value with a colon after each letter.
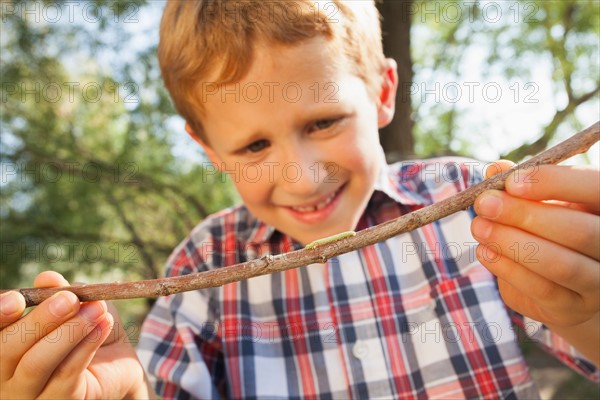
x: 413, y: 317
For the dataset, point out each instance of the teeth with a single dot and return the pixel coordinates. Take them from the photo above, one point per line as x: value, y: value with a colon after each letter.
x: 317, y: 206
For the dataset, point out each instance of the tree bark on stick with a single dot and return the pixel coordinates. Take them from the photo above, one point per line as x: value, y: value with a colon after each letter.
x: 577, y: 144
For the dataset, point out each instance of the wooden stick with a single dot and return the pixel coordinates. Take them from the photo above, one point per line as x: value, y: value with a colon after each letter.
x: 578, y: 143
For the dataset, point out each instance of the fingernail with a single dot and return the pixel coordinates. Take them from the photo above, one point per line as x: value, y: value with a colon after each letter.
x: 92, y: 311
x: 9, y: 304
x: 489, y: 205
x: 481, y: 228
x: 62, y: 304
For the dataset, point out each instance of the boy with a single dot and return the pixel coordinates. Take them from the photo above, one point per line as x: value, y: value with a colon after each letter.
x: 295, y: 92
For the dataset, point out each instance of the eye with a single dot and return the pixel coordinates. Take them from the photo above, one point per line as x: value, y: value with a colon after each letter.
x: 322, y: 124
x: 257, y: 146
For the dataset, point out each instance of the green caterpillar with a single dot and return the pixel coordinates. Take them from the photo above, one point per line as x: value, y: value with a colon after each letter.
x: 329, y: 239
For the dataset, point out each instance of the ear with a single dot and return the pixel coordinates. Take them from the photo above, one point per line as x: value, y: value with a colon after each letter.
x: 210, y: 153
x: 387, y: 94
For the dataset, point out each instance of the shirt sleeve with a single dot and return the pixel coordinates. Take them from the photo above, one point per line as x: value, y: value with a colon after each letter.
x: 556, y: 345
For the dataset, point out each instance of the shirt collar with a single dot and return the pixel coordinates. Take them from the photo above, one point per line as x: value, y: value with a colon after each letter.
x: 397, y: 181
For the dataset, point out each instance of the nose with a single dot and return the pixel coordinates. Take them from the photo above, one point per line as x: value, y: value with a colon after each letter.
x: 302, y: 172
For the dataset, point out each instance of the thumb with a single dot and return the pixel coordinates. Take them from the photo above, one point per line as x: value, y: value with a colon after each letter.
x: 497, y: 167
x: 49, y: 279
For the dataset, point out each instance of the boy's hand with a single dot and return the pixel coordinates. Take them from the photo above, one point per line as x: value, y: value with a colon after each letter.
x: 64, y: 349
x: 541, y: 238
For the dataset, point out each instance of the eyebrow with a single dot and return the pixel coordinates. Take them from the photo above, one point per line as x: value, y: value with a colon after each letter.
x: 320, y: 111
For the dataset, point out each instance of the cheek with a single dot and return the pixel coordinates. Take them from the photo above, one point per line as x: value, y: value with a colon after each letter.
x: 363, y: 153
x: 254, y: 192
x: 366, y: 134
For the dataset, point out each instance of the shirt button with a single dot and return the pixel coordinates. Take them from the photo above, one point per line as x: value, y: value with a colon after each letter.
x: 360, y: 350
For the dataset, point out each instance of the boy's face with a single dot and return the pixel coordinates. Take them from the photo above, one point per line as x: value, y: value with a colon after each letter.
x: 299, y: 138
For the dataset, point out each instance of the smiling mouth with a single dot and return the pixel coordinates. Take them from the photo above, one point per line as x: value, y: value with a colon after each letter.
x: 315, y: 207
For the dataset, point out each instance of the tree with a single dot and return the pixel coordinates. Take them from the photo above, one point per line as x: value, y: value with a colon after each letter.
x: 91, y: 177
x: 397, y: 138
x: 90, y: 184
x: 509, y: 38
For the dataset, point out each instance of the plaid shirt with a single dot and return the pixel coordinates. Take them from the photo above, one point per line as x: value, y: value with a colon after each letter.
x: 415, y: 316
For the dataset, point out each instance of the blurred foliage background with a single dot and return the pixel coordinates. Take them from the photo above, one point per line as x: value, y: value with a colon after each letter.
x: 90, y: 182
x: 99, y: 181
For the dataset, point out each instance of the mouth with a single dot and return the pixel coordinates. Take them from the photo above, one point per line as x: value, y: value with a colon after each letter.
x: 319, y: 211
x: 317, y: 206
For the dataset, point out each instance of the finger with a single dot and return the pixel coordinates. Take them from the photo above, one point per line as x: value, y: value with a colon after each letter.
x: 78, y: 360
x: 117, y: 333
x: 67, y: 375
x: 49, y: 353
x: 22, y: 335
x: 552, y: 182
x: 497, y: 167
x: 49, y: 279
x: 529, y: 293
x: 547, y: 259
x: 571, y: 228
x: 12, y: 306
x: 518, y: 300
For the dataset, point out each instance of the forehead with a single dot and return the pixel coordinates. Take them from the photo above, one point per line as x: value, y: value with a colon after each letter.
x: 309, y: 60
x: 283, y: 67
x: 282, y: 83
